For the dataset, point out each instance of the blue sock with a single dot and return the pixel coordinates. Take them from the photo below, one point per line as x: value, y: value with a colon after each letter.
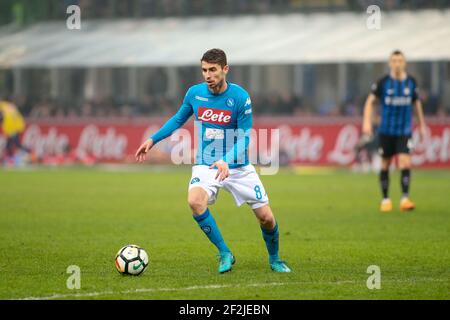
x: 208, y: 225
x: 271, y: 238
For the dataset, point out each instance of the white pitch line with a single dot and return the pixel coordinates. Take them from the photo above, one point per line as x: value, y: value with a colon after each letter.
x: 218, y: 286
x: 104, y: 293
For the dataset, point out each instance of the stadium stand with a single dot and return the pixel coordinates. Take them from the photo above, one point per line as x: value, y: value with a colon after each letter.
x: 143, y: 66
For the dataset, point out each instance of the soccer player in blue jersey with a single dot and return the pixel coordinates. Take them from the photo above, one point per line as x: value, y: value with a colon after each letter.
x: 223, y: 112
x: 398, y: 95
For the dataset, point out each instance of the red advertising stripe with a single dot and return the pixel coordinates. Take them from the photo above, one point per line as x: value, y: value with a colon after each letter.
x: 313, y: 143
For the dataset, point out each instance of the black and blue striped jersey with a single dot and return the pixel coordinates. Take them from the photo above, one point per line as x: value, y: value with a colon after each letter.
x: 396, y: 98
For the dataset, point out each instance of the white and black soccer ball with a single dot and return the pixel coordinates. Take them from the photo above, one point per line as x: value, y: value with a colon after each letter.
x: 131, y: 259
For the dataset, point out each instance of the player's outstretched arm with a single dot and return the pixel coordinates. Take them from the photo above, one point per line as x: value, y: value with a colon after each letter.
x: 143, y: 149
x: 174, y: 123
x: 367, y: 116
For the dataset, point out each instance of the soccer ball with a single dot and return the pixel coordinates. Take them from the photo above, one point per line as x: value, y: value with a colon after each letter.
x: 131, y: 259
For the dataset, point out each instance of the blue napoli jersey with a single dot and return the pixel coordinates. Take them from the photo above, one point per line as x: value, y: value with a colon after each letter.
x: 396, y: 98
x: 223, y: 124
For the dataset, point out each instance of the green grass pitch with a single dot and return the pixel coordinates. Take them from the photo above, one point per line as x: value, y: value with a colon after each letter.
x: 330, y: 233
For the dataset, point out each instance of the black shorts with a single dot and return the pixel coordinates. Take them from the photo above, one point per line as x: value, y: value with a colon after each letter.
x: 391, y: 145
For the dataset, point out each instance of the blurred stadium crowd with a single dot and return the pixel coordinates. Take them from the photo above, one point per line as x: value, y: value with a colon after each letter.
x: 29, y: 11
x: 288, y: 89
x: 160, y: 105
x: 120, y: 65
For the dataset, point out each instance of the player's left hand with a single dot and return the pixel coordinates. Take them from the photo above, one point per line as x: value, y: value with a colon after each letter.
x: 422, y: 133
x: 222, y: 169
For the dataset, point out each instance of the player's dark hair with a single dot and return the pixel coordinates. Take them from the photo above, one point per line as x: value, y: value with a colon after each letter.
x: 396, y: 53
x: 215, y: 56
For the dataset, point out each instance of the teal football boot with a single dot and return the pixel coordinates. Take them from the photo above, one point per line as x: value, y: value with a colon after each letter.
x: 280, y: 266
x: 226, y: 262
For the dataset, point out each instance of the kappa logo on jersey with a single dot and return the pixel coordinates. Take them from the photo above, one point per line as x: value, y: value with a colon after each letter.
x: 248, y: 102
x: 215, y: 116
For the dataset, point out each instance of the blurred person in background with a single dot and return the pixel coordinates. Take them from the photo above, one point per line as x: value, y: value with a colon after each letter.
x: 398, y: 95
x: 13, y: 125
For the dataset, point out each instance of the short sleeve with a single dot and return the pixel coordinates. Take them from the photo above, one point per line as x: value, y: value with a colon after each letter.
x: 376, y: 88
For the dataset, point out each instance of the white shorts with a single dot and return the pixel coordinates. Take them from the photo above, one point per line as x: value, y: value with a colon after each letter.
x: 243, y: 183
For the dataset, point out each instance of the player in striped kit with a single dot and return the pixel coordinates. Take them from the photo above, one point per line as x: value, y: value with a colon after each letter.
x: 398, y: 96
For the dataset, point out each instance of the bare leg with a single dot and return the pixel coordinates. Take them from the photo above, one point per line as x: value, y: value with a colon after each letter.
x: 197, y: 200
x: 265, y: 217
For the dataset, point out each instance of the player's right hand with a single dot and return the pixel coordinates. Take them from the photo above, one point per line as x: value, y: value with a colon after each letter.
x: 143, y: 149
x: 422, y: 133
x: 223, y: 171
x: 367, y: 130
